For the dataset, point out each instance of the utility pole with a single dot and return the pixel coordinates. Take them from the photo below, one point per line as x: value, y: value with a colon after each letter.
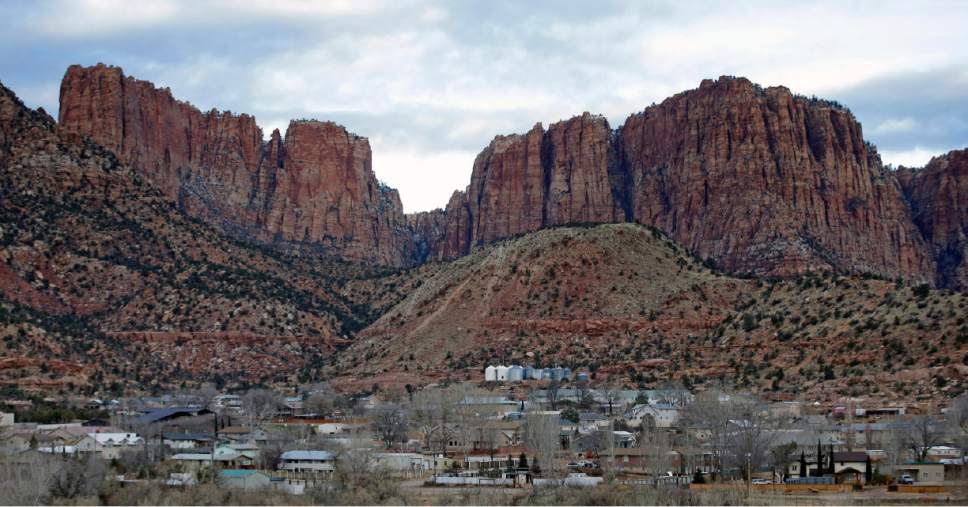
x: 749, y: 477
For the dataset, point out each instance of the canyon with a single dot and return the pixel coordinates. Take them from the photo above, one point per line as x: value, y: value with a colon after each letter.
x: 757, y: 181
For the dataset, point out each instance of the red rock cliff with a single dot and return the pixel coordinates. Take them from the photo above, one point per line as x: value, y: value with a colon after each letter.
x: 522, y: 183
x: 769, y: 183
x: 314, y: 189
x: 939, y: 198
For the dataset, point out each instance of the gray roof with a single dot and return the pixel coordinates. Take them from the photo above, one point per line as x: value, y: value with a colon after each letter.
x: 168, y: 413
x: 308, y: 455
x: 199, y: 437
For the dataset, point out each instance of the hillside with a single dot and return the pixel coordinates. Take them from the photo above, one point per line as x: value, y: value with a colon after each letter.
x: 104, y: 280
x: 627, y: 303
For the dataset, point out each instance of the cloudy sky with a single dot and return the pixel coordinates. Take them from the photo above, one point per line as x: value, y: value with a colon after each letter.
x: 430, y: 83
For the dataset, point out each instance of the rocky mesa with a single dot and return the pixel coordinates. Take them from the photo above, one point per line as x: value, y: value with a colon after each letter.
x: 313, y: 188
x: 760, y: 181
x: 755, y: 180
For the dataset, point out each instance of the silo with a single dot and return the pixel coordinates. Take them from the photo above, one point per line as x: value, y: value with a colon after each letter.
x: 502, y: 373
x: 515, y: 373
x: 490, y: 374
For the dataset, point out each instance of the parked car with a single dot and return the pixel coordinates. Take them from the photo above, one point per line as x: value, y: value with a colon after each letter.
x: 757, y: 480
x: 905, y: 479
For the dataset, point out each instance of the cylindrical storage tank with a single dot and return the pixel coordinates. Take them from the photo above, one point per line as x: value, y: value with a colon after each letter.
x: 502, y: 373
x: 528, y: 371
x: 581, y: 377
x: 565, y: 373
x: 546, y: 374
x: 515, y: 373
x: 556, y: 374
x: 490, y: 374
x: 535, y: 374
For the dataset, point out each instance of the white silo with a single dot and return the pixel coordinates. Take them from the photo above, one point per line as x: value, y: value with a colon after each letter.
x: 536, y: 374
x: 490, y: 374
x: 502, y: 373
x: 515, y: 373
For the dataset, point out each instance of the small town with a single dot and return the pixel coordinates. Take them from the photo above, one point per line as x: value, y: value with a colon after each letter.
x: 518, y: 435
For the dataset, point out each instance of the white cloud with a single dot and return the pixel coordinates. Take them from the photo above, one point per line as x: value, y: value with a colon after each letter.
x: 430, y: 83
x: 896, y: 125
x: 427, y: 180
x: 916, y: 157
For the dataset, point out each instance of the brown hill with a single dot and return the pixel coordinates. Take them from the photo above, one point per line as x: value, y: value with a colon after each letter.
x: 627, y: 303
x: 100, y: 272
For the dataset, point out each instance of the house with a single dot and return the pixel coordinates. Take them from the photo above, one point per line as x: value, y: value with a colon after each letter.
x: 596, y: 442
x: 307, y: 462
x: 633, y: 458
x: 499, y: 459
x: 14, y: 442
x: 664, y: 415
x: 341, y: 426
x: 170, y: 414
x: 849, y: 466
x: 109, y: 445
x: 186, y: 440
x: 249, y: 480
x: 922, y: 472
x: 180, y: 479
x: 232, y: 401
x: 223, y: 457
x: 592, y: 421
x: 241, y: 433
x: 405, y: 464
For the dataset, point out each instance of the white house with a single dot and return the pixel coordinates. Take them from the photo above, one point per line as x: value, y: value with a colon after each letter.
x: 109, y: 445
x: 307, y: 461
x: 664, y: 415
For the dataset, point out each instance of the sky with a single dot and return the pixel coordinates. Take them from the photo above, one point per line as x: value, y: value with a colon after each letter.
x: 431, y: 83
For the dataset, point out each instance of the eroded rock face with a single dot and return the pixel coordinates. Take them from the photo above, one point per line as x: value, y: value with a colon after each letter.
x: 314, y: 188
x: 522, y: 183
x: 758, y: 180
x: 939, y: 198
x: 769, y: 183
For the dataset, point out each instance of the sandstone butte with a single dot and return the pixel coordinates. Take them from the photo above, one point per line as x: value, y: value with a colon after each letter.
x: 758, y: 180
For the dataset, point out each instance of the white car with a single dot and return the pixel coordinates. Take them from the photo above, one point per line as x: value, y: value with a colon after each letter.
x: 761, y: 481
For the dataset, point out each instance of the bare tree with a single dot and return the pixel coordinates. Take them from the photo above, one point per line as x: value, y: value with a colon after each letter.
x: 709, y: 413
x: 740, y: 428
x: 751, y: 432
x: 585, y: 397
x: 204, y: 394
x: 552, y: 394
x: 390, y: 422
x: 260, y: 405
x: 25, y: 479
x: 613, y: 395
x: 77, y: 477
x: 957, y: 419
x: 920, y: 434
x: 659, y: 444
x: 781, y: 457
x: 541, y: 435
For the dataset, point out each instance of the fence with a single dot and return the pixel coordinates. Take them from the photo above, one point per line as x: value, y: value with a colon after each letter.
x: 810, y: 480
x: 472, y: 481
